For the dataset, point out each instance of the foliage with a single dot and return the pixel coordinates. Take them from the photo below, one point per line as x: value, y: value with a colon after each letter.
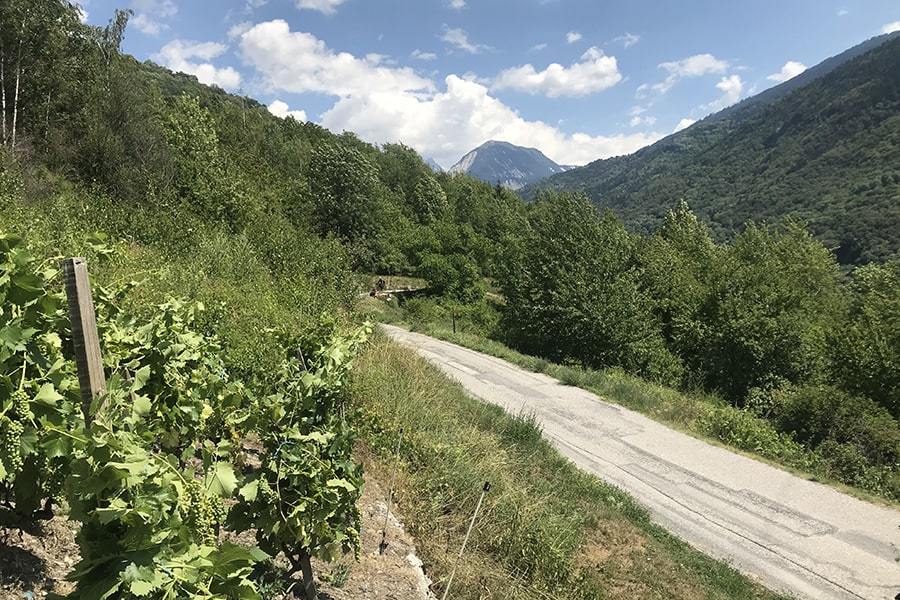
x: 573, y: 293
x: 38, y: 387
x: 866, y: 348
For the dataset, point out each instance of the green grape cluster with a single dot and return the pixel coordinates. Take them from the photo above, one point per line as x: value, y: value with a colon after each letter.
x: 265, y: 492
x: 201, y: 513
x: 21, y: 405
x: 10, y: 446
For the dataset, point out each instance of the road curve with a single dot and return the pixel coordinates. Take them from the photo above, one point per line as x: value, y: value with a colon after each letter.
x: 791, y: 534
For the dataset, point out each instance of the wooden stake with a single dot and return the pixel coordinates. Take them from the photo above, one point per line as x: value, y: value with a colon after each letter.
x: 91, y: 379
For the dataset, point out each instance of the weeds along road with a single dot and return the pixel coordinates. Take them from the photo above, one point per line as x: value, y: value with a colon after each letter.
x: 793, y: 535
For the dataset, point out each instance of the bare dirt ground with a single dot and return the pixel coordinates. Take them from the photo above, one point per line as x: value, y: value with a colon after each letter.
x: 34, y: 561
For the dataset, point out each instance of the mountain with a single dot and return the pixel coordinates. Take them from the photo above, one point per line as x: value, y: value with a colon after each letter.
x: 824, y: 149
x: 504, y: 163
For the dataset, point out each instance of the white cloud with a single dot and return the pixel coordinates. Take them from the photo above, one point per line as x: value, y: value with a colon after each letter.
x: 240, y: 29
x: 82, y: 13
x: 281, y: 109
x: 683, y: 124
x: 446, y: 125
x: 790, y: 70
x: 156, y: 8
x: 457, y: 4
x: 593, y: 73
x: 693, y: 66
x: 254, y: 4
x: 637, y: 121
x: 323, y: 6
x: 843, y: 12
x: 298, y: 62
x: 732, y: 87
x: 572, y: 37
x: 149, y: 14
x: 419, y: 55
x: 460, y: 39
x: 383, y: 104
x: 628, y: 40
x: 539, y: 47
x: 891, y: 27
x: 177, y: 56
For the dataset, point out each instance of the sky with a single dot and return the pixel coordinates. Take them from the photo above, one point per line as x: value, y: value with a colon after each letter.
x: 578, y: 79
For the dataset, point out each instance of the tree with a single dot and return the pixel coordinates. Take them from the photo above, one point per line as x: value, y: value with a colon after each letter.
x: 344, y: 186
x: 774, y: 299
x: 573, y: 293
x: 866, y: 349
x: 35, y: 37
x: 678, y: 266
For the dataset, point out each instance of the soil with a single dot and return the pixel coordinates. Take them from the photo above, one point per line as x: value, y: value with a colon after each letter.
x: 35, y: 559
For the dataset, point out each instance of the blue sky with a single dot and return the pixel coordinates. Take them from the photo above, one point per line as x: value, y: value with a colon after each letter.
x: 577, y: 79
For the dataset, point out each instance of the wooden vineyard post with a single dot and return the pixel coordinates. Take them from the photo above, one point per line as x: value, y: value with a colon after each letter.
x: 91, y: 379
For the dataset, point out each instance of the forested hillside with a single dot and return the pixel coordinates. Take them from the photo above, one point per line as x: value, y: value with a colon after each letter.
x: 827, y: 153
x: 222, y: 239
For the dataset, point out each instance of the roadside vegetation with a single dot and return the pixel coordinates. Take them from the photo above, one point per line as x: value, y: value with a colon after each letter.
x: 546, y: 529
x: 699, y: 413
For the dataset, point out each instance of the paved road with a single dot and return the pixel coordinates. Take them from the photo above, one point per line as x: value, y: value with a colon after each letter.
x: 793, y: 535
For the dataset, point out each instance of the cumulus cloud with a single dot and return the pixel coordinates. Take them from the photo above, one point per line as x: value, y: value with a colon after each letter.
x: 419, y: 55
x: 594, y: 72
x: 323, y: 6
x: 693, y: 66
x: 790, y: 70
x: 732, y: 87
x: 891, y: 27
x: 178, y: 54
x: 460, y: 39
x: 386, y: 105
x: 450, y: 123
x: 82, y: 14
x: 281, y: 109
x: 457, y: 4
x: 572, y: 37
x: 236, y: 31
x: 683, y: 124
x: 298, y: 62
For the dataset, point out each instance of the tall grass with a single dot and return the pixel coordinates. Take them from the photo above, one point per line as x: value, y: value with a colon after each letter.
x: 547, y: 529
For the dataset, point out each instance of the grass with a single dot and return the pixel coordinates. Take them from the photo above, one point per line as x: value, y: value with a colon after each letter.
x: 698, y: 413
x: 546, y: 529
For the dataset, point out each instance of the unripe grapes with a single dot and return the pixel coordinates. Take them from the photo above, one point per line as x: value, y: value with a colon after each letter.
x: 10, y: 446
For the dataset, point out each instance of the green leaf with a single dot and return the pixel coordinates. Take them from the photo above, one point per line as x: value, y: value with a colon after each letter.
x: 15, y: 337
x: 223, y: 481
x: 249, y: 491
x: 48, y: 395
x: 341, y: 483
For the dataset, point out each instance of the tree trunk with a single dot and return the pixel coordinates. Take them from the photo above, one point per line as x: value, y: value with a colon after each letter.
x: 3, y: 92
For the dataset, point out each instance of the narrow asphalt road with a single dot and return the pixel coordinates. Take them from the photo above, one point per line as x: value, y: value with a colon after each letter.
x: 793, y: 535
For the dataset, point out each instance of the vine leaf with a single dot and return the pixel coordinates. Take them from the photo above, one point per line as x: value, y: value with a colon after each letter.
x: 223, y: 481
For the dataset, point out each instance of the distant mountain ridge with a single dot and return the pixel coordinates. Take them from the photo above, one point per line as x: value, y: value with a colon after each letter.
x: 823, y: 148
x: 507, y: 164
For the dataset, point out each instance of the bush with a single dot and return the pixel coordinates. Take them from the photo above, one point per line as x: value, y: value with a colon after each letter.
x: 741, y: 429
x: 819, y: 414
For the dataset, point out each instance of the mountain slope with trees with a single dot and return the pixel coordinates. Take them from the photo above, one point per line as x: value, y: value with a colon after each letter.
x: 826, y: 153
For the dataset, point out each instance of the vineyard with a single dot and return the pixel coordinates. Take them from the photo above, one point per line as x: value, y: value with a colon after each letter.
x: 178, y: 456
